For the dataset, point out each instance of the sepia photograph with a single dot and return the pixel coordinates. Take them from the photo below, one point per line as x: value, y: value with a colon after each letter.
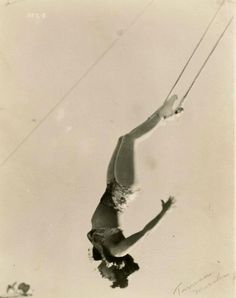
x: 117, y: 147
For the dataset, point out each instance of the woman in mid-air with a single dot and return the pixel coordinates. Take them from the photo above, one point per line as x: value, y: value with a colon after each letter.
x: 110, y: 246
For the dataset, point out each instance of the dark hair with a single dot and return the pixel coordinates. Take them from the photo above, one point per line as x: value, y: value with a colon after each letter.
x: 121, y: 273
x: 96, y: 254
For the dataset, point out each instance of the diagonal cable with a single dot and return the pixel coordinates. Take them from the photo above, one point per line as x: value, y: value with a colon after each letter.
x: 76, y: 84
x: 195, y: 49
x: 205, y: 62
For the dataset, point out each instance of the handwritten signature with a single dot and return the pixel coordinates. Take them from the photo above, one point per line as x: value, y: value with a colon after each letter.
x: 202, y: 284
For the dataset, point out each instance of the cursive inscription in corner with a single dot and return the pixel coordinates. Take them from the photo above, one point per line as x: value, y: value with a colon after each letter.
x: 203, y: 283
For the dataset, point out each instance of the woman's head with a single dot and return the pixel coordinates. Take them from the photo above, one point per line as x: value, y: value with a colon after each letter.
x: 118, y: 271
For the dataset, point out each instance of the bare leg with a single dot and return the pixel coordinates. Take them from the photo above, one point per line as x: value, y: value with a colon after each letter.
x: 111, y: 167
x: 122, y: 164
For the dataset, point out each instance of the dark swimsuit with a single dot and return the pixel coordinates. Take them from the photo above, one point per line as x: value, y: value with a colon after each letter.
x: 118, y: 197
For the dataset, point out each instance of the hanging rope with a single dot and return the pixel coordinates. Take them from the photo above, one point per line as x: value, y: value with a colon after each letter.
x: 205, y: 62
x: 195, y: 49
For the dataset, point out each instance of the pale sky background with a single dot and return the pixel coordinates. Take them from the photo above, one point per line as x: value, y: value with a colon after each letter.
x: 51, y: 185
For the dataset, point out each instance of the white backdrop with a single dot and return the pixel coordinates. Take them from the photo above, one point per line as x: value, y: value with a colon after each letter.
x: 54, y: 156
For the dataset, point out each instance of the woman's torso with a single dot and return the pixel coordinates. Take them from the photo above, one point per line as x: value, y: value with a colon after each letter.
x: 105, y: 214
x: 104, y: 238
x: 106, y: 230
x: 113, y: 202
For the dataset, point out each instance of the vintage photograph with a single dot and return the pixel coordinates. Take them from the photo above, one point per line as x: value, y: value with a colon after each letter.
x: 117, y: 148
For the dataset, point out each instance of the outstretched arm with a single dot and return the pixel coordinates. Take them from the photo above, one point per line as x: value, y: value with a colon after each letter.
x: 125, y: 245
x: 165, y: 206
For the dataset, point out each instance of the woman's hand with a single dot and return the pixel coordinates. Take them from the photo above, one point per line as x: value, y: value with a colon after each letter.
x: 166, y: 205
x: 167, y: 109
